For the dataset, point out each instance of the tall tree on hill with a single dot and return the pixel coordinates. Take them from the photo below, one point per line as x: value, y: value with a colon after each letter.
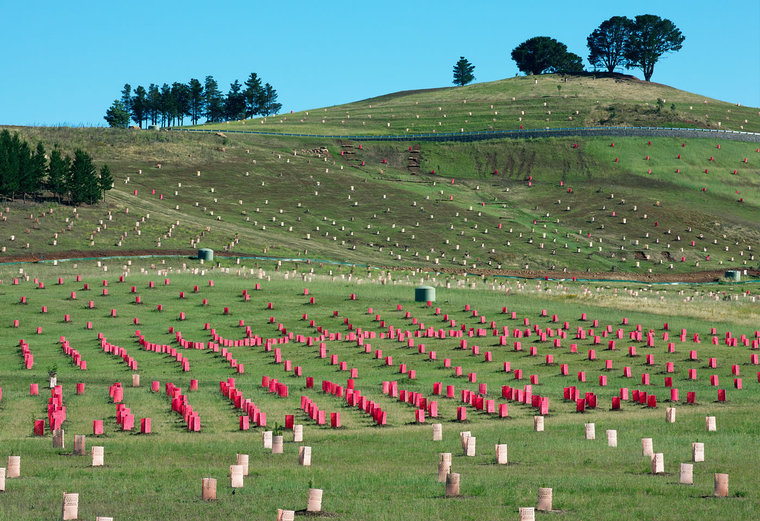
x: 126, y: 97
x: 139, y: 106
x: 213, y: 100
x: 196, y: 100
x: 116, y: 115
x: 24, y: 178
x: 154, y: 101
x: 607, y: 44
x: 5, y: 138
x: 38, y: 169
x: 651, y: 37
x: 234, y: 105
x: 10, y: 147
x: 58, y: 173
x: 252, y: 94
x: 83, y: 183
x: 181, y: 96
x: 463, y: 72
x: 268, y: 101
x: 105, y: 181
x: 165, y: 104
x: 542, y: 54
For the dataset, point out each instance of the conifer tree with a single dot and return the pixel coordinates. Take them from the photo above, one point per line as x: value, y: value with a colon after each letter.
x: 463, y: 72
x: 58, y: 173
x: 105, y: 181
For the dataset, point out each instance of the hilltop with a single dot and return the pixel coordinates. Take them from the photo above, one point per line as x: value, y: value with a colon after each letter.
x: 550, y: 100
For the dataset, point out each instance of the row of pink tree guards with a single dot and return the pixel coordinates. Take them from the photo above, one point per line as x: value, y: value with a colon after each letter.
x: 164, y: 349
x: 353, y: 398
x: 181, y: 406
x: 117, y: 351
x: 73, y: 353
x: 249, y: 407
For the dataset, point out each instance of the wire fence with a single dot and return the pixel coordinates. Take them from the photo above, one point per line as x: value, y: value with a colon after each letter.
x: 483, y: 135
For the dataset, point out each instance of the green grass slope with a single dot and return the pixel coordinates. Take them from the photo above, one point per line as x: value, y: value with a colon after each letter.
x: 545, y: 101
x: 549, y: 204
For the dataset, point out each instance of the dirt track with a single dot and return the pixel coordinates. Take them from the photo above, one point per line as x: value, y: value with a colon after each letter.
x: 698, y: 276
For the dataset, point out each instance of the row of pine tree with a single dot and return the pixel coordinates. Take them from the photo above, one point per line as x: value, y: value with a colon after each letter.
x: 27, y: 173
x: 168, y: 105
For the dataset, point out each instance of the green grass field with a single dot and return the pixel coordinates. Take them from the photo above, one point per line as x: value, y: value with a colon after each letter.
x: 369, y: 472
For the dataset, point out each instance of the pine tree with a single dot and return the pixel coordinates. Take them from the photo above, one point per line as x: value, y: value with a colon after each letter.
x: 83, y: 183
x: 165, y: 105
x: 252, y: 94
x: 139, y: 106
x: 117, y: 116
x: 39, y: 168
x: 153, y: 103
x: 463, y: 72
x: 58, y: 173
x: 105, y: 182
x: 268, y: 101
x: 181, y: 96
x: 126, y: 98
x: 5, y: 138
x: 234, y: 106
x: 25, y: 180
x: 213, y: 100
x: 196, y: 100
x: 9, y: 163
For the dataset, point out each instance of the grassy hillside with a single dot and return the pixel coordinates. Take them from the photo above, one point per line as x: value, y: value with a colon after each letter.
x: 551, y: 100
x: 549, y: 204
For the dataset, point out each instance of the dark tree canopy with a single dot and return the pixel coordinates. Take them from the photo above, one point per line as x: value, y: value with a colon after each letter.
x: 570, y: 63
x: 126, y: 97
x: 213, y: 100
x: 154, y: 102
x: 463, y: 72
x: 234, y: 105
x: 140, y: 106
x: 26, y: 172
x: 37, y: 171
x: 84, y: 186
x: 252, y: 95
x: 267, y: 101
x: 105, y: 181
x: 607, y: 44
x: 651, y: 37
x: 196, y: 100
x: 542, y: 54
x: 117, y: 116
x: 181, y: 96
x: 57, y: 173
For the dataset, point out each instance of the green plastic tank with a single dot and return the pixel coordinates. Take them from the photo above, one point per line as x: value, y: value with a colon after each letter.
x: 734, y: 275
x: 424, y: 294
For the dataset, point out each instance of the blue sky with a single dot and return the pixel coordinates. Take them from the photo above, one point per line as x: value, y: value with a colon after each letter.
x: 65, y: 62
